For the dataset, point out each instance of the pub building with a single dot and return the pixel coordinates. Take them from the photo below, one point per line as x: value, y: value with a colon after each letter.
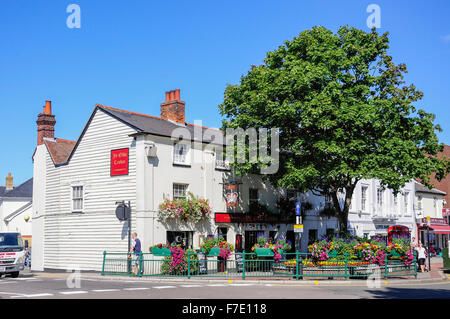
x: 126, y: 156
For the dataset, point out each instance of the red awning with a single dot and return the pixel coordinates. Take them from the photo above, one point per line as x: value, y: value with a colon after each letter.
x: 438, y: 229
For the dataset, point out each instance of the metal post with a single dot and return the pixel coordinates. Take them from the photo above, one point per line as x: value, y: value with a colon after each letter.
x: 415, y: 266
x: 428, y: 239
x: 140, y: 270
x: 103, y: 267
x: 385, y: 267
x: 243, y: 265
x: 297, y: 265
x: 129, y: 235
x: 189, y: 265
x: 346, y: 267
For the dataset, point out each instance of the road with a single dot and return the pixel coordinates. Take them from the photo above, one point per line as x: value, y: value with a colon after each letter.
x: 56, y: 286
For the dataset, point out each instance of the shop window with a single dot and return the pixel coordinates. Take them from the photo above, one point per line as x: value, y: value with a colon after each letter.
x: 182, y: 238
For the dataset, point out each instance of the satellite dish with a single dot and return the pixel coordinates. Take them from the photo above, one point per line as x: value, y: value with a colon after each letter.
x: 123, y: 212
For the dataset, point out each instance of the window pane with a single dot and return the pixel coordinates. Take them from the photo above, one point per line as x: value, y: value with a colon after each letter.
x: 179, y: 190
x: 180, y: 153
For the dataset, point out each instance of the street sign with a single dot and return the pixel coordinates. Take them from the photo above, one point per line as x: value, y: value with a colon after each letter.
x: 298, y: 228
x: 123, y: 212
x: 298, y: 209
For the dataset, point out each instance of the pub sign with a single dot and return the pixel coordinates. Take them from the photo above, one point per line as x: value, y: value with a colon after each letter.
x: 119, y: 162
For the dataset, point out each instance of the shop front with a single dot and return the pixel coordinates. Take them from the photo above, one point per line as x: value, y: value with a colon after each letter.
x: 436, y: 231
x: 247, y: 228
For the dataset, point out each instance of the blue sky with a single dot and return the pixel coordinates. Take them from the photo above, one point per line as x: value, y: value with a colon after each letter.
x: 128, y: 53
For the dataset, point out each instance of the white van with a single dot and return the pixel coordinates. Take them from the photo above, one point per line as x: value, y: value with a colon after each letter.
x: 12, y: 253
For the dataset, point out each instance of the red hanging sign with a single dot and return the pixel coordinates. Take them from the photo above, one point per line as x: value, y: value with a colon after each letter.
x: 232, y: 194
x: 119, y: 162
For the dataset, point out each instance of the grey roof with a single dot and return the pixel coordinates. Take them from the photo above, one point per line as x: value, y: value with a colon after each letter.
x: 420, y: 188
x: 2, y: 190
x: 157, y: 126
x: 24, y: 190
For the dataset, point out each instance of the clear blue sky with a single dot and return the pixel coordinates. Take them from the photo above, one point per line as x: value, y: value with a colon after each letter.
x: 128, y: 53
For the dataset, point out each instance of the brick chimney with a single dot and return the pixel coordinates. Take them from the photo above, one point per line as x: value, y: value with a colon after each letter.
x: 173, y: 108
x: 9, y: 182
x: 46, y: 123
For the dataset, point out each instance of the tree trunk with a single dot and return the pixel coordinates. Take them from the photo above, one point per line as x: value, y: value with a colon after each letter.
x: 342, y: 213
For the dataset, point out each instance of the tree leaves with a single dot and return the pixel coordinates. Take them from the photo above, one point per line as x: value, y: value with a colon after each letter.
x: 344, y: 114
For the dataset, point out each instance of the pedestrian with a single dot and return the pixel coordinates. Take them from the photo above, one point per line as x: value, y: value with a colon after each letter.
x: 421, y: 256
x: 136, y: 251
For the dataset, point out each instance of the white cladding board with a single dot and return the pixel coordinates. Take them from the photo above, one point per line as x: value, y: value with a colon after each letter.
x: 79, y: 239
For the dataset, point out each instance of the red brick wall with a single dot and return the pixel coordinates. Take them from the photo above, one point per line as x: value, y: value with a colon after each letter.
x: 443, y: 185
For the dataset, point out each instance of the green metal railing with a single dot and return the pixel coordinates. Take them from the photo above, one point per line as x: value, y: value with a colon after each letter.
x: 249, y: 265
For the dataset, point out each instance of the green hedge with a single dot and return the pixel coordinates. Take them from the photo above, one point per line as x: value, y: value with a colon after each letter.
x: 446, y: 258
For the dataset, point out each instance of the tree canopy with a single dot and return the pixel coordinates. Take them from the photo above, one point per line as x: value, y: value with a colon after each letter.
x: 344, y: 113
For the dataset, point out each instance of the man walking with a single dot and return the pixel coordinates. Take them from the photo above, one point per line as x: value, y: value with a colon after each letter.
x: 136, y: 251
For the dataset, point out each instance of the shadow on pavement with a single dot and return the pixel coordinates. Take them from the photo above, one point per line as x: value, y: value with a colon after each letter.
x: 408, y: 293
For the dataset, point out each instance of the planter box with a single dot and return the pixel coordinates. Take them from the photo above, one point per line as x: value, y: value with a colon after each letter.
x: 395, y: 254
x: 161, y: 252
x: 264, y: 252
x: 333, y: 253
x: 214, y: 252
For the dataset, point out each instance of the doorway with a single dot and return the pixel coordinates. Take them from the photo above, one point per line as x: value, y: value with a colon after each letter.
x: 251, y: 238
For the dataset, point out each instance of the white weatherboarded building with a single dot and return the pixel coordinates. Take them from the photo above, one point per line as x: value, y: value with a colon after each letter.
x: 76, y: 187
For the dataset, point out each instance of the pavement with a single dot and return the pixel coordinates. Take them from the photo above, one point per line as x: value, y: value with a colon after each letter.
x: 63, y: 285
x: 85, y: 285
x: 92, y: 286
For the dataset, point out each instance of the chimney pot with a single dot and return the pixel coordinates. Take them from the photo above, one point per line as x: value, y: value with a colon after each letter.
x: 46, y: 123
x: 48, y: 107
x: 173, y: 108
x: 9, y: 182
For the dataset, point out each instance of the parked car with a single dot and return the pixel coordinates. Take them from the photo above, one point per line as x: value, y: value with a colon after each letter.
x: 12, y: 254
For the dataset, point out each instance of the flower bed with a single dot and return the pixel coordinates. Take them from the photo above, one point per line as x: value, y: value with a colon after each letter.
x: 177, y: 263
x: 371, y: 251
x: 264, y: 248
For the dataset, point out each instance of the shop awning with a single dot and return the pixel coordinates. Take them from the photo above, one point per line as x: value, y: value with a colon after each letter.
x: 440, y: 229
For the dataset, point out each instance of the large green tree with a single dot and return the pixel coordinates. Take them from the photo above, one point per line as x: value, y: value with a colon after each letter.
x: 344, y: 113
